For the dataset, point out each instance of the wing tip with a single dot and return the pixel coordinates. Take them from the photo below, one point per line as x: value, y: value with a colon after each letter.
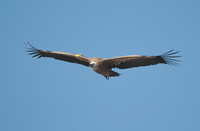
x: 32, y: 50
x: 169, y: 57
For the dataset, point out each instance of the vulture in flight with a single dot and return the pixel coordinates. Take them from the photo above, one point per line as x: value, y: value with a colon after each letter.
x: 104, y: 66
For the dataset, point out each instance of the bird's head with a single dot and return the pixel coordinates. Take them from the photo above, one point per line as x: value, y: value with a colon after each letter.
x: 93, y: 65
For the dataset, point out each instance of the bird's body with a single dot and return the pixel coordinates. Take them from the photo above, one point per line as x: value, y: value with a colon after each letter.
x: 100, y: 67
x: 104, y: 66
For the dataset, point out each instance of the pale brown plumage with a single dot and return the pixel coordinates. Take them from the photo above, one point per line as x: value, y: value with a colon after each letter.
x: 104, y: 66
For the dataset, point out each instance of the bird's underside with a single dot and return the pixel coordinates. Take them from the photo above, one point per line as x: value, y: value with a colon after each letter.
x: 104, y: 66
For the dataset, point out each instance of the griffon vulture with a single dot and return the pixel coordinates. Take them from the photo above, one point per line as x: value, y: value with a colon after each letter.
x: 104, y: 66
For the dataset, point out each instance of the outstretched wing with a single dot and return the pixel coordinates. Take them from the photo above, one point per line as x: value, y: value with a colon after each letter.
x: 68, y: 57
x: 124, y: 62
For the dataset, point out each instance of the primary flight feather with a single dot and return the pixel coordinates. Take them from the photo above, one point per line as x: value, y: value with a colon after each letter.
x: 104, y: 66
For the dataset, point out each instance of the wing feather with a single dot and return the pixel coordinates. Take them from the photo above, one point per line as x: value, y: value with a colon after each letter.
x: 68, y: 57
x: 131, y: 61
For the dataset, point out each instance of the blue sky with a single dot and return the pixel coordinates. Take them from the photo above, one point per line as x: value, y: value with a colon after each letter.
x: 45, y: 94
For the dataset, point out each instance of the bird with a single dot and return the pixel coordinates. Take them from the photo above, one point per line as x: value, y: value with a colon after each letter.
x: 104, y: 66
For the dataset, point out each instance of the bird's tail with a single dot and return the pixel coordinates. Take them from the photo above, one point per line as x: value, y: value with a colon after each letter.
x: 113, y: 73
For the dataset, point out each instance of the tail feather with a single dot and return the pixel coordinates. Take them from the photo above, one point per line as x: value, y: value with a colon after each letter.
x: 113, y: 73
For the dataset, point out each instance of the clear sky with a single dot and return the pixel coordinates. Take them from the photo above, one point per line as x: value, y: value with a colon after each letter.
x: 49, y: 95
